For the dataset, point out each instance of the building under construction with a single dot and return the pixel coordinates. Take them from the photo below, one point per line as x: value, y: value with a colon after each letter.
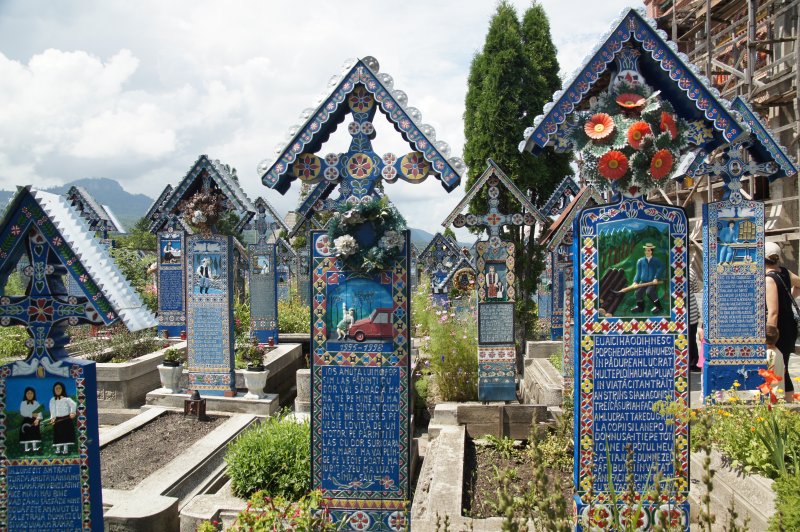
x: 746, y: 48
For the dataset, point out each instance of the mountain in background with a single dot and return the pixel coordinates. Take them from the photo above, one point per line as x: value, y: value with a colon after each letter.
x: 127, y: 207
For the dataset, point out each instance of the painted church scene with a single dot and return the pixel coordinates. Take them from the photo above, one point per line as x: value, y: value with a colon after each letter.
x: 521, y: 265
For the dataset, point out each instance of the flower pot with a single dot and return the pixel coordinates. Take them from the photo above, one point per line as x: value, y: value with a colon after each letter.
x: 255, y: 382
x: 170, y: 377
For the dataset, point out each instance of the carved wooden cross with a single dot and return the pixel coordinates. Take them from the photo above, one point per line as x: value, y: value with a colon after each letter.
x: 46, y: 310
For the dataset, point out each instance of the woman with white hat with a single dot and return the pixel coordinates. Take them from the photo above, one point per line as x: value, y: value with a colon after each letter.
x: 780, y: 285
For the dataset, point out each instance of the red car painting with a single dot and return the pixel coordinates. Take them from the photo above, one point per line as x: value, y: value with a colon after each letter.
x: 378, y: 326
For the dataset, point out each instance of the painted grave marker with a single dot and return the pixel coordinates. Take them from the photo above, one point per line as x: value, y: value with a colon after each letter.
x: 560, y: 237
x: 634, y: 356
x: 49, y: 452
x: 359, y: 332
x: 544, y: 297
x: 632, y: 111
x: 734, y: 295
x: 497, y: 368
x: 263, y: 293
x: 438, y: 259
x: 171, y: 284
x: 209, y: 314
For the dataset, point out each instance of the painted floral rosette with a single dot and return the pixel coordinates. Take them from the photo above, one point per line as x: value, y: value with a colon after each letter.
x: 368, y: 236
x: 630, y: 140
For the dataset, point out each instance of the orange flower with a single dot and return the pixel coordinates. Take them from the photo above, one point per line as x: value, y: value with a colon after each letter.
x: 796, y: 396
x: 668, y: 124
x: 613, y: 164
x: 661, y: 165
x: 630, y: 100
x: 636, y: 133
x: 769, y: 376
x: 599, y: 126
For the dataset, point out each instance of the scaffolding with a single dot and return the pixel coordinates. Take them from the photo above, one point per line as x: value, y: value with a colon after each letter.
x: 753, y: 48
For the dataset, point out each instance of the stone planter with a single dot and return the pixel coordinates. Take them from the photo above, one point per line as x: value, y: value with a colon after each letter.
x: 255, y: 381
x: 170, y: 378
x: 125, y: 384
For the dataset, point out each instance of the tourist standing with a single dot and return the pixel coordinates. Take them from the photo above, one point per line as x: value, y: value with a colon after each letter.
x: 694, y: 320
x: 780, y: 284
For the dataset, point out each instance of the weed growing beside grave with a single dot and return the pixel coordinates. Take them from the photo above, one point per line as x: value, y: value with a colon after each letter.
x: 274, y: 457
x: 293, y: 315
x: 452, y: 347
x: 122, y: 345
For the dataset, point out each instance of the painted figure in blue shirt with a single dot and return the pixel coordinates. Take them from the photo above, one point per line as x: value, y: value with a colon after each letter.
x: 649, y: 274
x: 727, y: 236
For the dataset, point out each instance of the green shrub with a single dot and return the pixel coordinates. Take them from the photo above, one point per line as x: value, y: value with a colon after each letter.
x: 241, y: 322
x: 787, y: 504
x: 273, y: 456
x: 12, y: 343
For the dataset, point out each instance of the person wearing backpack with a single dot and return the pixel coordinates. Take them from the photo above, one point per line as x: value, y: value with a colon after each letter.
x: 782, y: 310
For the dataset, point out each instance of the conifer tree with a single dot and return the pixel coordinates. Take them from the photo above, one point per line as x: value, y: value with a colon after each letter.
x: 510, y: 80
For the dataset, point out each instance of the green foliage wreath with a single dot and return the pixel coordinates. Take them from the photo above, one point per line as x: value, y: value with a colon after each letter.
x: 368, y: 236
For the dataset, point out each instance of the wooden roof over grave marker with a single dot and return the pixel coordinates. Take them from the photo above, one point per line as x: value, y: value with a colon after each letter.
x: 213, y: 172
x: 107, y: 290
x: 431, y: 156
x: 561, y: 197
x: 98, y: 217
x: 765, y: 147
x: 156, y: 207
x: 586, y: 197
x: 462, y: 263
x: 438, y: 240
x: 492, y: 170
x: 662, y: 66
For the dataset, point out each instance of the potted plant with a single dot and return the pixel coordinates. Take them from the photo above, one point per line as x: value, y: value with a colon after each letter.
x: 171, y: 369
x: 255, y: 376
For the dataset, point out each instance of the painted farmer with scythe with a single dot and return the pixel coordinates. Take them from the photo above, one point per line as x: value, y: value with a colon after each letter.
x: 649, y: 274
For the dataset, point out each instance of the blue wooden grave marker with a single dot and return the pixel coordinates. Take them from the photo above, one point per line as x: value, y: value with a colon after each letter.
x: 559, y: 236
x: 497, y: 353
x: 627, y: 356
x: 438, y: 259
x: 209, y: 314
x: 171, y: 283
x: 263, y: 293
x: 360, y: 362
x: 49, y: 443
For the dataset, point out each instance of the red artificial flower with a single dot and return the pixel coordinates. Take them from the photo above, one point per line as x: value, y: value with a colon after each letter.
x: 599, y: 126
x: 668, y: 124
x: 636, y: 133
x: 630, y: 100
x: 613, y: 164
x: 661, y: 165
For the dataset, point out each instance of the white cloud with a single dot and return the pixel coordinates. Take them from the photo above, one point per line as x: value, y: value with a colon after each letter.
x: 137, y: 91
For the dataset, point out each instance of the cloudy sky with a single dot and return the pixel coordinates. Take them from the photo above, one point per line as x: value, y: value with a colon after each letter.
x: 136, y: 91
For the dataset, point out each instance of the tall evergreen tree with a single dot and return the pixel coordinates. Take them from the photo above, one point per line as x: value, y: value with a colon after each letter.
x: 510, y: 80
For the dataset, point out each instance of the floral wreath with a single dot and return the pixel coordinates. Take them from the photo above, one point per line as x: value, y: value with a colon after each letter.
x: 630, y: 139
x: 368, y: 236
x: 203, y: 209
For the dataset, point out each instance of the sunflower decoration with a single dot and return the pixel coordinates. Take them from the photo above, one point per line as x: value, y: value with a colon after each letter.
x: 630, y: 138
